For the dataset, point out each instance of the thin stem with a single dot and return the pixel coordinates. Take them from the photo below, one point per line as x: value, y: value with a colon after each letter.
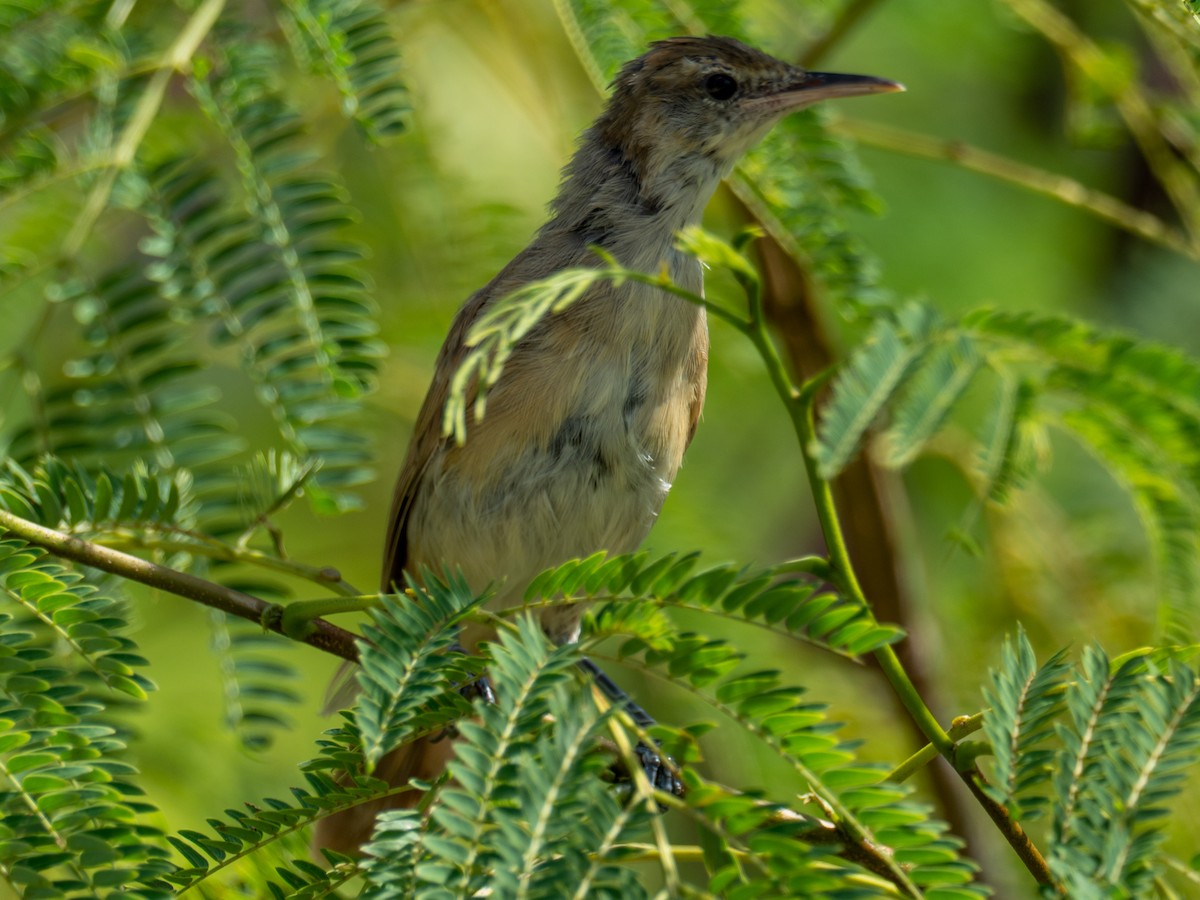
x: 852, y: 13
x: 177, y: 58
x: 959, y: 729
x: 647, y: 794
x: 801, y: 410
x: 1066, y: 190
x: 665, y: 284
x: 1135, y: 108
x: 1007, y: 825
x: 211, y: 548
x: 324, y: 635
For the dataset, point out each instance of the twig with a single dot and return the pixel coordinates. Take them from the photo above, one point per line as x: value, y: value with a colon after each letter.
x: 1007, y: 825
x: 1060, y: 187
x: 176, y: 59
x: 852, y: 13
x: 959, y: 729
x: 323, y: 635
x: 1135, y: 108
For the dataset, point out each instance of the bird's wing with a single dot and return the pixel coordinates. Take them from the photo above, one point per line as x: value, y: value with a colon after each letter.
x: 700, y: 380
x: 427, y: 437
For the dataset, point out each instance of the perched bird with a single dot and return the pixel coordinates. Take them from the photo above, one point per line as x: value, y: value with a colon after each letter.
x: 587, y: 427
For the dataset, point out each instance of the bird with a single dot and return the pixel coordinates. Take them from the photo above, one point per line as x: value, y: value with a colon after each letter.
x: 586, y: 429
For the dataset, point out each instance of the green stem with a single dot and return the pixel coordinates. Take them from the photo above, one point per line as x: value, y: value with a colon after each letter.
x: 296, y: 619
x: 959, y: 729
x: 799, y: 404
x: 839, y: 557
x: 1066, y: 190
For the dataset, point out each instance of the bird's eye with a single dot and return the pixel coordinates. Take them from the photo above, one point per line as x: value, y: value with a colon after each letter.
x: 720, y: 86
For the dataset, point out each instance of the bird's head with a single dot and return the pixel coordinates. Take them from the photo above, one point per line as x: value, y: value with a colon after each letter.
x: 713, y: 97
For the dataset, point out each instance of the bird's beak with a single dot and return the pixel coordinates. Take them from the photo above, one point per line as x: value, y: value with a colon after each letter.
x: 811, y: 87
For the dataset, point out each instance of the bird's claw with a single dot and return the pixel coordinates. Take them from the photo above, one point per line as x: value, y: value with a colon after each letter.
x: 660, y: 771
x: 479, y: 689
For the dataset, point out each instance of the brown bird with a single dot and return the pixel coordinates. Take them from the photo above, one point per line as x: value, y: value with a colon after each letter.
x: 587, y: 427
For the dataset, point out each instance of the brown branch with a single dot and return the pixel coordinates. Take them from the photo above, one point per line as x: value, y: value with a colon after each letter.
x: 1007, y: 826
x: 324, y: 635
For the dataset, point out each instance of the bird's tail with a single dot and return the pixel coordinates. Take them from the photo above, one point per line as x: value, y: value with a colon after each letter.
x: 424, y: 759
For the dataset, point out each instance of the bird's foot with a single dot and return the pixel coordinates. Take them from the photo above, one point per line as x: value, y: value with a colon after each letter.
x: 478, y: 688
x: 660, y: 771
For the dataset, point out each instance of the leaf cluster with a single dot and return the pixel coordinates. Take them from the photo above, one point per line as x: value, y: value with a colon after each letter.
x: 1099, y: 749
x: 1131, y: 403
x: 72, y: 820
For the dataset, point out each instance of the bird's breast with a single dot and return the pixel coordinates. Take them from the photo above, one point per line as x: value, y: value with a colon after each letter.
x: 583, y: 435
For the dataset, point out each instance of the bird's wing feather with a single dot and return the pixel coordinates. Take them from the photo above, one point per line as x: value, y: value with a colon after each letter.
x: 427, y: 437
x: 701, y: 382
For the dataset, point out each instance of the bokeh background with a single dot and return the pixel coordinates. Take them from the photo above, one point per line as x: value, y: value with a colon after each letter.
x: 498, y: 97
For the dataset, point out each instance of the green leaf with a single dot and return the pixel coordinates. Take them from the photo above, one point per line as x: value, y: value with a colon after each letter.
x: 863, y: 386
x: 938, y: 383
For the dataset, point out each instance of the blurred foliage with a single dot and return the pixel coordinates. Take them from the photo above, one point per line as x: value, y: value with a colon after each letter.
x: 213, y: 220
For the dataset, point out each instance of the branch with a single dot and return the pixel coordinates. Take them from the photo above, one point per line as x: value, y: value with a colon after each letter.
x: 176, y: 59
x: 1066, y: 190
x: 1135, y: 107
x: 852, y: 13
x: 1007, y: 826
x: 324, y: 635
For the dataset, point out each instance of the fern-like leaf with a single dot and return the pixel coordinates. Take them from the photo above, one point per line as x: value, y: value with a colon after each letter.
x: 1024, y: 700
x: 1095, y: 703
x: 349, y: 42
x: 86, y: 623
x: 282, y: 283
x: 271, y: 829
x: 494, y: 337
x: 69, y: 497
x: 628, y: 593
x: 405, y: 663
x: 137, y: 393
x: 867, y: 382
x: 1007, y: 449
x: 522, y: 774
x: 938, y: 383
x: 71, y: 819
x: 1162, y: 742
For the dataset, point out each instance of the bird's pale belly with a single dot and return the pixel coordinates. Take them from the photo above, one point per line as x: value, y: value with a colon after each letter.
x: 609, y: 442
